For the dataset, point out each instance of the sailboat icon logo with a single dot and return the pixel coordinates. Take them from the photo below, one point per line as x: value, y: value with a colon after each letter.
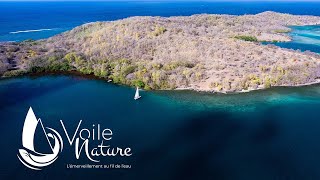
x: 28, y: 155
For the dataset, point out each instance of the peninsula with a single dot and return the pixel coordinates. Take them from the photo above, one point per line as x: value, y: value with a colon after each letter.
x: 216, y: 53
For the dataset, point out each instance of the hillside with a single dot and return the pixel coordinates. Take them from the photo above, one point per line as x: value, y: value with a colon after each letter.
x: 220, y: 53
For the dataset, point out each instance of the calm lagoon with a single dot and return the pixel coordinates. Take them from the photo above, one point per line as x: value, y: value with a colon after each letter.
x: 304, y: 38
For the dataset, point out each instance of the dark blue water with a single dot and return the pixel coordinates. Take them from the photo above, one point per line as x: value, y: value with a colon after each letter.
x: 272, y: 134
x: 62, y: 16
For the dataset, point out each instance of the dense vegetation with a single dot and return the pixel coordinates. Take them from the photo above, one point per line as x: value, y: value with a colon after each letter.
x: 247, y: 38
x: 282, y: 31
x: 122, y: 71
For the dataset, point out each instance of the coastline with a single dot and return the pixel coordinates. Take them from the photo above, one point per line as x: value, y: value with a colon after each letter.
x: 250, y: 90
x: 93, y: 77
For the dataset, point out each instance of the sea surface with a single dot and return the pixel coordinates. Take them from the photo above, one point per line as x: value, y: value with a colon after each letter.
x: 268, y: 134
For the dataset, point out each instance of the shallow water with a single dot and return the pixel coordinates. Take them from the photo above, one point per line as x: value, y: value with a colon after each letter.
x: 304, y: 38
x: 270, y: 134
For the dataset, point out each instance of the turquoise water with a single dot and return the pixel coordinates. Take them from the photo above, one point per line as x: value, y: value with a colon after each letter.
x: 270, y: 134
x: 304, y: 38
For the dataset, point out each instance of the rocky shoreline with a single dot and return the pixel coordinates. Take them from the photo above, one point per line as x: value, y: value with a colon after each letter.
x: 212, y: 53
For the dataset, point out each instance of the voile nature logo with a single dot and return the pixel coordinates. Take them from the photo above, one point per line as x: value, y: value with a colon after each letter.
x: 36, y: 160
x: 27, y: 155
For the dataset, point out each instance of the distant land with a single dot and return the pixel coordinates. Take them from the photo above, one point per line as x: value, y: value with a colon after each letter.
x: 215, y: 53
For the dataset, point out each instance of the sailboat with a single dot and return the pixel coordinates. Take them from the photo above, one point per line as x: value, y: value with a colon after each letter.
x: 137, y: 96
x: 28, y: 155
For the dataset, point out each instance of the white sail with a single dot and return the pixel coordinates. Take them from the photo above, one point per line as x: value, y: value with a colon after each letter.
x: 29, y: 128
x: 137, y: 96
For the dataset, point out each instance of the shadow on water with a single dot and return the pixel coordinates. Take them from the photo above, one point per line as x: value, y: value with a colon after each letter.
x: 221, y: 146
x: 39, y: 86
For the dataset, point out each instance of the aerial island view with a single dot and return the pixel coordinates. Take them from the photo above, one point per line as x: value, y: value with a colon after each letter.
x: 160, y: 89
x: 218, y: 53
